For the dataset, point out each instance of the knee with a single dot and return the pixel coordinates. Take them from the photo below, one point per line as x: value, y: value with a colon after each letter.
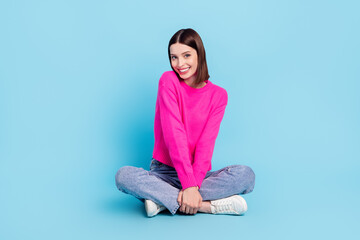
x: 124, y: 176
x: 251, y: 179
x: 246, y: 178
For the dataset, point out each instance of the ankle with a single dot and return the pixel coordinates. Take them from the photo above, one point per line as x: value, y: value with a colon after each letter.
x: 205, y: 207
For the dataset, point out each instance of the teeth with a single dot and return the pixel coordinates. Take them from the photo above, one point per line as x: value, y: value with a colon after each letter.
x: 184, y: 70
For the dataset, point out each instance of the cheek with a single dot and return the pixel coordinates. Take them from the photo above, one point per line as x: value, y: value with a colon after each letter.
x: 194, y: 63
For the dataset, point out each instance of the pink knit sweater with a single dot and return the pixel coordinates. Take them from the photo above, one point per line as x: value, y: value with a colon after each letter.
x: 187, y: 122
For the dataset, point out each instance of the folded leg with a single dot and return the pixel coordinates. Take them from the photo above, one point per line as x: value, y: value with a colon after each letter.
x: 143, y: 185
x: 231, y: 180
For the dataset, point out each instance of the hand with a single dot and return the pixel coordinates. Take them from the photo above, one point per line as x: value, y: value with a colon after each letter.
x: 179, y: 199
x: 191, y: 200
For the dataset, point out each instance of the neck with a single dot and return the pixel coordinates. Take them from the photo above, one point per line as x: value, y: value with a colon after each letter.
x: 191, y: 83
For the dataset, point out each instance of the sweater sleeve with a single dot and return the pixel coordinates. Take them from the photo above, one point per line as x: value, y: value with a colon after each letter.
x: 174, y: 133
x: 206, y: 143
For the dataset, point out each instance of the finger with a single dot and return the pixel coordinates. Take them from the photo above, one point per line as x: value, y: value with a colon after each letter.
x: 190, y: 210
x: 187, y: 210
x: 180, y: 197
x: 182, y: 208
x: 196, y: 210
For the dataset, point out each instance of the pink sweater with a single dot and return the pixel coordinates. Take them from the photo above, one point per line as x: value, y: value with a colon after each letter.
x: 187, y: 122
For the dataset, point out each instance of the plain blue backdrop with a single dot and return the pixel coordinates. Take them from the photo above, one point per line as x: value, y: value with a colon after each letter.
x: 78, y: 85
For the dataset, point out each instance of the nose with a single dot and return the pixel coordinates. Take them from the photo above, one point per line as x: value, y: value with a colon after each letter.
x: 181, y: 62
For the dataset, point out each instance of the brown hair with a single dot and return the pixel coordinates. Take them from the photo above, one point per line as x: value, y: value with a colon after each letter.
x: 192, y: 39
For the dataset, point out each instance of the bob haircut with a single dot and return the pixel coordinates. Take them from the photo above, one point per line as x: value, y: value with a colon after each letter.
x: 192, y: 39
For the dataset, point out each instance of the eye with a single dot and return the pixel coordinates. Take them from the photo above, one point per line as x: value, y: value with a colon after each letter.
x: 173, y: 57
x: 187, y: 55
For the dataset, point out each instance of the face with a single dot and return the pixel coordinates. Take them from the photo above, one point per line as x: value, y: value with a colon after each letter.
x: 184, y: 60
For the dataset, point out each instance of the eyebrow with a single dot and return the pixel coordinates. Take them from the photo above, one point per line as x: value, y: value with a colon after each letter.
x: 182, y: 53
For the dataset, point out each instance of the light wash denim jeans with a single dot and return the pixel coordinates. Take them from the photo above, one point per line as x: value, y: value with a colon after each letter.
x: 161, y: 184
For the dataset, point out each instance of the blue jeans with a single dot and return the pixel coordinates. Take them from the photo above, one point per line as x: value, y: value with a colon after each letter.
x: 161, y: 184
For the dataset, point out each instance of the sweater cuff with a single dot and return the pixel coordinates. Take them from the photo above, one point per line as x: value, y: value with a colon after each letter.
x: 188, y: 181
x: 199, y: 176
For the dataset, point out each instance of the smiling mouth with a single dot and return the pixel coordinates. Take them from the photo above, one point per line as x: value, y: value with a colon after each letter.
x: 182, y: 71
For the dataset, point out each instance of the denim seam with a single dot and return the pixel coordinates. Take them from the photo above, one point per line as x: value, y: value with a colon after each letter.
x: 174, y: 211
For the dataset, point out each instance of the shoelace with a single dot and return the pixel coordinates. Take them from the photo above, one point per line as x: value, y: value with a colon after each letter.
x: 224, y: 206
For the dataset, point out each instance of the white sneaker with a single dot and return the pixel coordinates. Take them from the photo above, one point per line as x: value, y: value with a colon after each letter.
x: 153, y: 208
x: 231, y: 205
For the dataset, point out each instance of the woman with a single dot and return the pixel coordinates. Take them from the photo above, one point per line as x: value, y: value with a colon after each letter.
x: 189, y: 110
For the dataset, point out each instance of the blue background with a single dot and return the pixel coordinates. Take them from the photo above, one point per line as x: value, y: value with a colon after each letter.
x: 78, y: 85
